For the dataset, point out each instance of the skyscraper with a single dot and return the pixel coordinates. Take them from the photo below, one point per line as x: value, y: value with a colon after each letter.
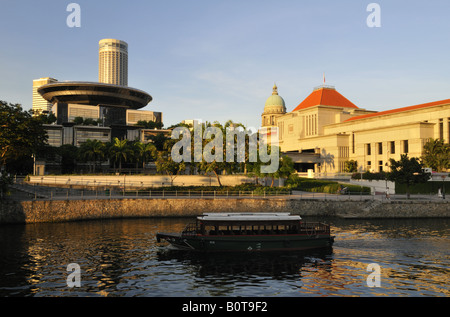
x: 39, y: 103
x: 113, y: 62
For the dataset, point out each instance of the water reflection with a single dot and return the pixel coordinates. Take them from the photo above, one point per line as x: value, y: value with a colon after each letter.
x: 274, y: 264
x: 122, y: 258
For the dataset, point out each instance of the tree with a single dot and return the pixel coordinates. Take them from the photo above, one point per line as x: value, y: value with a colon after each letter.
x: 120, y: 151
x: 351, y: 166
x: 159, y: 140
x: 149, y: 124
x: 407, y: 171
x: 149, y: 153
x: 286, y: 168
x: 165, y: 164
x: 436, y: 155
x: 21, y: 134
x: 92, y: 151
x: 68, y: 157
x: 47, y: 118
x: 78, y: 120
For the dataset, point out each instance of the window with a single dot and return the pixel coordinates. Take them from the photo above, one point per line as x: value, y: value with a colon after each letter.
x: 380, y: 148
x: 448, y: 129
x: 405, y: 146
x: 441, y: 129
x: 392, y: 147
x: 369, y: 151
x: 380, y: 166
x: 353, y: 143
x: 290, y: 128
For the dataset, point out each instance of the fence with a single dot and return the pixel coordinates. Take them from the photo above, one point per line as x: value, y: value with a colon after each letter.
x: 36, y: 191
x: 50, y: 193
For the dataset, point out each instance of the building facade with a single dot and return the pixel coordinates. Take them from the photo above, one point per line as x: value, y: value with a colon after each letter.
x: 109, y: 108
x: 40, y: 105
x: 326, y: 130
x: 113, y: 62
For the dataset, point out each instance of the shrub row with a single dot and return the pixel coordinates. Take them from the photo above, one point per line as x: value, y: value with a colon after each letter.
x: 322, y: 186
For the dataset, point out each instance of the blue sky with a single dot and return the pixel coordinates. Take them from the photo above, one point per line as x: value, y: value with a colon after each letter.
x: 218, y: 59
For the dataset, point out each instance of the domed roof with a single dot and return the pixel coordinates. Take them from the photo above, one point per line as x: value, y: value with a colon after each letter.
x: 275, y: 103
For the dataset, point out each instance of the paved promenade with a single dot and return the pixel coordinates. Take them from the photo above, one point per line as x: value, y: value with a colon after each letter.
x: 24, y: 192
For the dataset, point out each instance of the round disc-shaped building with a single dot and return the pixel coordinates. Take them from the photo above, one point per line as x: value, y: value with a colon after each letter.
x: 94, y: 94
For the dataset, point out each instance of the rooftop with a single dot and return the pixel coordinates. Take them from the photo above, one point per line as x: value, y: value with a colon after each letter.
x: 325, y: 96
x: 400, y: 110
x: 94, y: 93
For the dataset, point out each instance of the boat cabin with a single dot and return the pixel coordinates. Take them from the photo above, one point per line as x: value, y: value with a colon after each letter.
x: 216, y: 224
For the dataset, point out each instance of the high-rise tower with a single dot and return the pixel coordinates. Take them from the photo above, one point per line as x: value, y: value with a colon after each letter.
x: 41, y: 105
x: 113, y: 62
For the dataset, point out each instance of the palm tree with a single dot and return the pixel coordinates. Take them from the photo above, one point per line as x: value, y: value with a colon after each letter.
x: 436, y: 155
x: 149, y: 153
x: 92, y: 151
x: 120, y: 151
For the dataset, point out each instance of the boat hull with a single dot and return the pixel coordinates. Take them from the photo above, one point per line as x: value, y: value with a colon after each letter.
x: 205, y: 243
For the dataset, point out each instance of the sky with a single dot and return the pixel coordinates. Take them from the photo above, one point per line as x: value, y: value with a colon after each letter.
x: 217, y: 60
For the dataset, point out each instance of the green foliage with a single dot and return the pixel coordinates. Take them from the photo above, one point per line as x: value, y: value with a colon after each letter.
x: 421, y: 188
x: 92, y: 151
x: 351, y: 166
x: 120, y: 151
x: 322, y: 186
x: 21, y: 134
x: 407, y: 171
x: 370, y: 176
x: 436, y: 155
x: 5, y: 182
x: 149, y: 124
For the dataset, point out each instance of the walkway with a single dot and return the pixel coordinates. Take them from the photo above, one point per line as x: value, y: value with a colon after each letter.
x: 24, y: 191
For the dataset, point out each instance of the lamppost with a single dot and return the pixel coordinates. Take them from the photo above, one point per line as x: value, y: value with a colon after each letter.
x: 443, y: 186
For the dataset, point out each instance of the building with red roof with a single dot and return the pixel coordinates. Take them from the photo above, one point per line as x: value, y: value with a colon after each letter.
x: 326, y: 130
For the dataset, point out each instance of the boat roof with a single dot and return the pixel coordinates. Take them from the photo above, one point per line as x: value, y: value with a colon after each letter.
x: 263, y: 216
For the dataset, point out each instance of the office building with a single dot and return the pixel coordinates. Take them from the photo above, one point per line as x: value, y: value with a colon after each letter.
x: 40, y: 105
x: 113, y: 62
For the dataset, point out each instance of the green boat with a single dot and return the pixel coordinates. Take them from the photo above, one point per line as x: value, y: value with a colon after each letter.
x: 214, y: 232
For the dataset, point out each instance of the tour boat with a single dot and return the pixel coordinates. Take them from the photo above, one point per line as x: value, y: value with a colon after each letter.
x: 250, y: 232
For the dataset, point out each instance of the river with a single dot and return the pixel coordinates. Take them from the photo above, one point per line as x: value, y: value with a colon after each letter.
x: 400, y: 258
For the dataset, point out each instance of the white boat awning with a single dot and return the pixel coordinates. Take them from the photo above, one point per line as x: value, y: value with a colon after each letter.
x: 249, y: 217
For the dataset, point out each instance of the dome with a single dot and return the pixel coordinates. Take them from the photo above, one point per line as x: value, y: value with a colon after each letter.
x: 275, y: 104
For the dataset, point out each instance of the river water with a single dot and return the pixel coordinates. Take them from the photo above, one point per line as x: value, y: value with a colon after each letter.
x: 122, y: 258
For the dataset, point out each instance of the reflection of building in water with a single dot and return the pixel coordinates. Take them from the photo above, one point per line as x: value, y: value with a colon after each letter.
x: 326, y: 130
x: 250, y: 265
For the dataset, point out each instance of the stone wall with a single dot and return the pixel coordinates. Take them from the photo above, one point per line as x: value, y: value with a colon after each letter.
x: 73, y: 210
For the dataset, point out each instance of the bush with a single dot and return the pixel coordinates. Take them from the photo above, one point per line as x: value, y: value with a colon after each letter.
x: 322, y: 186
x: 370, y: 176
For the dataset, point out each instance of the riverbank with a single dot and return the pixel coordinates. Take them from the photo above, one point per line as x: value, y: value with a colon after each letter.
x: 38, y: 211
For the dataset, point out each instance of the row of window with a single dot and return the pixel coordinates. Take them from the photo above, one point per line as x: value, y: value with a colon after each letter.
x: 391, y: 147
x: 370, y: 167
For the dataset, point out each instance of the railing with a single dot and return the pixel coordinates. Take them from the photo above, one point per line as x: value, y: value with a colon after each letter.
x: 190, y: 230
x: 313, y: 228
x: 59, y: 193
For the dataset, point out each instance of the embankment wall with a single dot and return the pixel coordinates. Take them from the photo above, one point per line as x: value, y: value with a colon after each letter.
x: 73, y: 210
